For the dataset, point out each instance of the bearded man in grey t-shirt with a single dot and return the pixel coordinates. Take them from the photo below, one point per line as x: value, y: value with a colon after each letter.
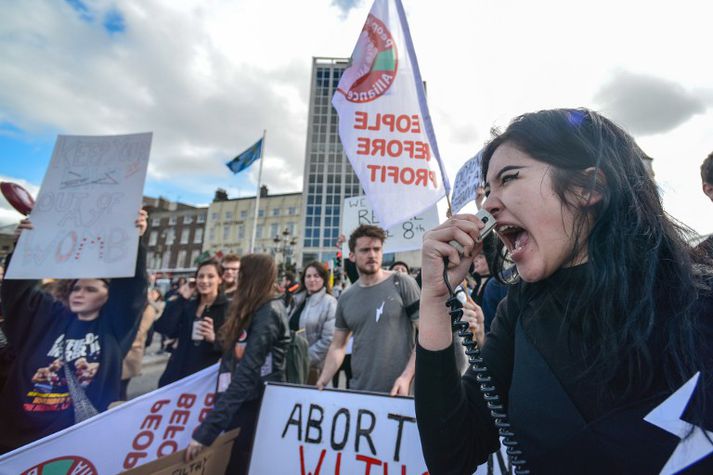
x: 381, y: 311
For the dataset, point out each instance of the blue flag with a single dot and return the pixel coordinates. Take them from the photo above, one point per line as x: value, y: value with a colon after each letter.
x: 245, y: 159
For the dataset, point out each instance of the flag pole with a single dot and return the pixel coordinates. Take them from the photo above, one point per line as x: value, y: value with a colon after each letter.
x: 257, y: 195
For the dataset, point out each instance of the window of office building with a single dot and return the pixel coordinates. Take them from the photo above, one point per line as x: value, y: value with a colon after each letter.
x: 153, y: 238
x: 188, y: 219
x: 258, y: 231
x: 276, y: 211
x: 181, y: 260
x: 228, y: 215
x: 226, y: 233
x: 243, y: 214
x: 194, y: 257
x: 241, y: 231
x: 185, y: 234
x: 170, y: 236
x: 274, y: 230
x: 201, y: 218
x: 198, y: 236
x: 172, y: 221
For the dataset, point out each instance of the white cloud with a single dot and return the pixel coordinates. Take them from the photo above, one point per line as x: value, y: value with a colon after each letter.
x: 207, y: 76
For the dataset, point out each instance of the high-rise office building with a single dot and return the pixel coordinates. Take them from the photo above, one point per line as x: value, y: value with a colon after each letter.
x: 328, y: 175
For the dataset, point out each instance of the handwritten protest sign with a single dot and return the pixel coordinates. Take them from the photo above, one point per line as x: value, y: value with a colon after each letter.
x: 406, y: 236
x: 144, y: 429
x: 85, y: 211
x: 384, y: 123
x: 466, y: 183
x: 332, y: 432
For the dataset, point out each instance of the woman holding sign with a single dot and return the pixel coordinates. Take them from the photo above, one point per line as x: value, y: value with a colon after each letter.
x: 255, y: 339
x: 68, y: 364
x: 613, y: 314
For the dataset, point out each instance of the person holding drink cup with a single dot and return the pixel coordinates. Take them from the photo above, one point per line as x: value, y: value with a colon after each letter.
x: 195, y: 322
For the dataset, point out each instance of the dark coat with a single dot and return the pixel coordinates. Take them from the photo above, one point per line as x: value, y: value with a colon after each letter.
x: 263, y: 360
x: 177, y: 322
x: 34, y: 321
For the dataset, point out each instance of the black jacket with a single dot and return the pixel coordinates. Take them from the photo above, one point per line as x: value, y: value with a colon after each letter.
x: 34, y: 321
x: 562, y: 422
x: 177, y: 322
x: 261, y: 359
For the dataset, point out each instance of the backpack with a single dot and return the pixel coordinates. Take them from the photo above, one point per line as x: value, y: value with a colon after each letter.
x: 297, y: 358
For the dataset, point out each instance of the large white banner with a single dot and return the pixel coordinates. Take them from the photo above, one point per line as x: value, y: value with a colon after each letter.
x: 304, y: 430
x: 85, y: 210
x: 405, y: 236
x: 384, y: 123
x: 466, y: 183
x: 139, y: 431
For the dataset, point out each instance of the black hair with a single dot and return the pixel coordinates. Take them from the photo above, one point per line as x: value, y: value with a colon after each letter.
x: 408, y: 269
x: 707, y: 169
x: 321, y: 270
x: 641, y: 288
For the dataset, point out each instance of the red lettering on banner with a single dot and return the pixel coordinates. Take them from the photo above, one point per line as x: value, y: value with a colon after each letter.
x: 208, y: 403
x: 133, y: 458
x: 402, y: 175
x: 403, y: 123
x: 414, y: 149
x: 369, y: 462
x: 173, y: 430
x: 180, y: 417
x: 171, y: 443
x: 319, y: 464
x: 186, y: 400
x: 209, y: 400
x: 146, y: 424
x: 159, y: 404
x: 148, y: 435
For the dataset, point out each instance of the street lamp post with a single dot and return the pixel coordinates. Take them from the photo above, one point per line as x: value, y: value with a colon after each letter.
x: 284, y: 245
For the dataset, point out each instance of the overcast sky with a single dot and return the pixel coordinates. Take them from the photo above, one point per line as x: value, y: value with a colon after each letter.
x: 207, y: 76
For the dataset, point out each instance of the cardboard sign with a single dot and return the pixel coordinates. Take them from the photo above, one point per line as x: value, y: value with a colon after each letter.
x: 335, y: 432
x: 152, y: 426
x: 212, y: 460
x: 85, y: 210
x: 406, y: 236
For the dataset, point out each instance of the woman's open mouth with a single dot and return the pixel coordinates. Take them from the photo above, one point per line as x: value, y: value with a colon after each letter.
x: 514, y: 237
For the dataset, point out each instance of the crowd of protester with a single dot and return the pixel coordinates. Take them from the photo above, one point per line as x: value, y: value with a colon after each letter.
x: 82, y: 341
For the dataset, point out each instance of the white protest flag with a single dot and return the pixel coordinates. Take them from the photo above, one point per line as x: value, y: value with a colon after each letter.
x: 384, y: 123
x: 154, y: 425
x: 466, y: 183
x: 85, y: 210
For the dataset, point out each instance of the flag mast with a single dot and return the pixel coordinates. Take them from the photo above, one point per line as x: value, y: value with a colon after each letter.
x: 257, y: 194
